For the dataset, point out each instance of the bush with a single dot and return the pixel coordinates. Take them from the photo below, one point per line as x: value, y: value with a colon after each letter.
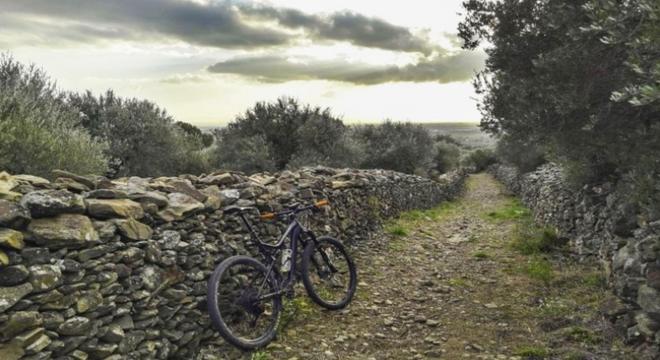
x: 479, y: 160
x: 195, y: 135
x: 143, y: 139
x: 525, y: 155
x: 403, y: 147
x: 40, y: 132
x: 247, y: 154
x: 578, y: 81
x: 446, y: 157
x: 530, y: 240
x: 284, y: 133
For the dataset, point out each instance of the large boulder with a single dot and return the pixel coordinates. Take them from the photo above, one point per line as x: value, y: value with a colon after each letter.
x: 11, y: 295
x: 150, y: 197
x: 13, y: 215
x: 88, y: 182
x: 180, y: 206
x: 12, y: 239
x: 114, y: 208
x: 44, y: 203
x: 77, y: 325
x: 219, y: 179
x: 45, y: 277
x: 214, y: 197
x: 7, y: 184
x: 66, y: 230
x: 172, y: 185
x: 134, y: 230
x: 19, y: 322
x: 13, y: 275
x: 229, y: 196
x: 648, y: 299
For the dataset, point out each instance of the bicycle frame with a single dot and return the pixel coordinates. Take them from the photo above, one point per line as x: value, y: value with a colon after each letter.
x: 271, y: 253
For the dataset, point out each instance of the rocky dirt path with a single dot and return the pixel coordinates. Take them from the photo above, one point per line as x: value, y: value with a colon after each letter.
x: 447, y: 283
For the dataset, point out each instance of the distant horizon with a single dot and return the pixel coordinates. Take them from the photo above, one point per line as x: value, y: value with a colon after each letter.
x: 476, y: 123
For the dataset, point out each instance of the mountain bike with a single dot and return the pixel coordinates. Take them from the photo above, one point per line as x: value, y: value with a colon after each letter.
x: 245, y: 295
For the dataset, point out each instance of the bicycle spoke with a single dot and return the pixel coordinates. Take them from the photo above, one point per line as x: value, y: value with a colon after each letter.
x: 246, y: 316
x: 329, y: 276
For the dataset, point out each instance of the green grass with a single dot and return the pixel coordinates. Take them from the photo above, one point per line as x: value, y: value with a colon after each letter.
x: 539, y: 269
x: 529, y: 239
x: 259, y: 355
x: 512, y: 210
x: 414, y: 216
x: 457, y: 282
x: 407, y: 220
x: 291, y: 310
x: 396, y: 230
x: 596, y: 280
x: 532, y: 352
x: 582, y: 335
x: 481, y: 255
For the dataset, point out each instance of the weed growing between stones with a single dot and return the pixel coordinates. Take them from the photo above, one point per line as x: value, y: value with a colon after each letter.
x: 291, y: 310
x: 396, y: 230
x: 532, y: 352
x: 408, y: 221
x: 481, y: 255
x: 582, y: 335
x: 531, y: 240
x: 538, y: 268
x: 260, y: 355
x: 512, y: 210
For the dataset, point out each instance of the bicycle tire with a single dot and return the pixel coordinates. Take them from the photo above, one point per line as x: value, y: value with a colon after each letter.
x: 214, y: 307
x: 308, y: 264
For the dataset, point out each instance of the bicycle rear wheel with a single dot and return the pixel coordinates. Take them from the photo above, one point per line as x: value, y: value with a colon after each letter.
x: 235, y: 305
x: 329, y: 273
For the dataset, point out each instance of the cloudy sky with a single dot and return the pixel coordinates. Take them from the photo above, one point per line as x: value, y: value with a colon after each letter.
x: 205, y: 61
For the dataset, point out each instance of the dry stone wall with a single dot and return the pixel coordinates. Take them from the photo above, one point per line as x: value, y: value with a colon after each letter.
x: 600, y: 222
x: 116, y: 269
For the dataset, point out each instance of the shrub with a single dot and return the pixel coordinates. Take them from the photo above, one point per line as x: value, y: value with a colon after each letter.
x: 248, y: 154
x: 525, y: 155
x: 479, y: 159
x: 286, y: 134
x: 446, y: 156
x: 403, y: 147
x: 195, y: 135
x: 530, y: 240
x: 578, y: 81
x: 143, y: 139
x: 539, y: 269
x: 40, y: 132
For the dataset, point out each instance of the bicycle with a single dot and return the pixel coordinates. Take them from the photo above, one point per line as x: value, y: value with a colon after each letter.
x: 245, y: 295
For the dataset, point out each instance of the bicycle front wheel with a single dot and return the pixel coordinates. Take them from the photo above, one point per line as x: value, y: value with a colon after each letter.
x: 237, y: 305
x: 329, y: 273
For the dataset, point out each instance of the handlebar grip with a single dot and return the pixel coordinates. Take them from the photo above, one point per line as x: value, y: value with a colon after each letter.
x: 321, y: 203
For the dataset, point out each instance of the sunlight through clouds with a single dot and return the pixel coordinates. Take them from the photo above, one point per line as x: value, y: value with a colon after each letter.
x: 206, y: 61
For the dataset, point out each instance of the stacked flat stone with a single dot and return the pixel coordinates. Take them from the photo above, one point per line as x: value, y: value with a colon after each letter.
x: 93, y: 268
x: 603, y: 223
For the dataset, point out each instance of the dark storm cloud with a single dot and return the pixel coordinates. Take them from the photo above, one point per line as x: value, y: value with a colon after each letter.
x: 443, y: 69
x: 217, y: 24
x: 346, y: 26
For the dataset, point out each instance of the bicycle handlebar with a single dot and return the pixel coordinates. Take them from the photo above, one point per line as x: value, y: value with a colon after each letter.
x: 294, y: 209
